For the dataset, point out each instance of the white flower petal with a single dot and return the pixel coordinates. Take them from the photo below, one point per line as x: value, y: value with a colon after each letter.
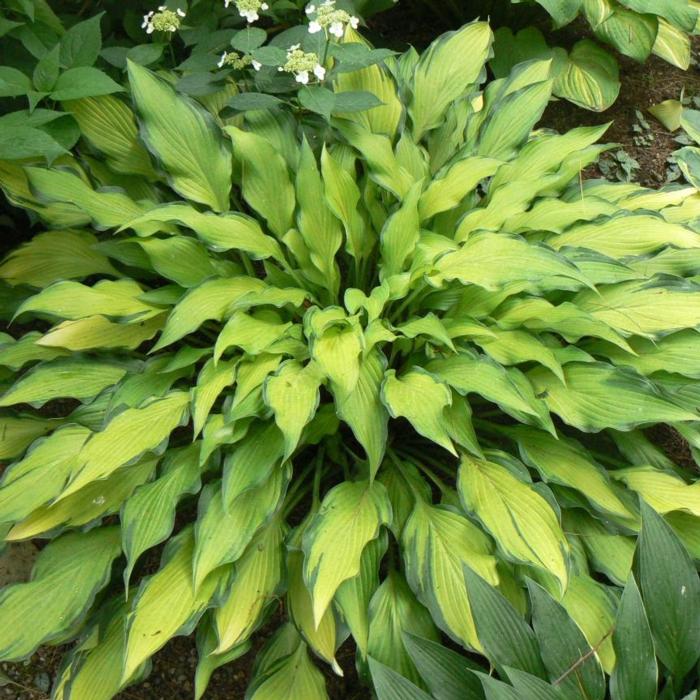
x: 302, y: 77
x: 320, y: 71
x: 264, y: 6
x: 314, y: 27
x: 150, y: 29
x: 310, y: 9
x: 354, y: 22
x: 337, y: 29
x: 180, y: 12
x: 256, y: 64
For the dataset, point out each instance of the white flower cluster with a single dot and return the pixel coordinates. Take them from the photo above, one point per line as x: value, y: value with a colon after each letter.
x: 250, y: 9
x: 164, y: 20
x: 301, y: 64
x: 326, y: 18
x: 236, y: 61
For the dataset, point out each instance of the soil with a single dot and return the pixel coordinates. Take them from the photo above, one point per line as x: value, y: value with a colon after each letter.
x: 643, y: 85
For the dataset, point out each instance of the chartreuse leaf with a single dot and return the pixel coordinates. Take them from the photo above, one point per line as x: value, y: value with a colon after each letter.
x: 636, y: 672
x: 567, y: 655
x: 598, y: 396
x: 318, y: 227
x: 472, y: 262
x: 662, y: 490
x: 421, y: 399
x: 507, y: 640
x: 67, y: 575
x: 446, y: 673
x: 354, y: 595
x: 179, y: 258
x: 393, y: 612
x: 148, y: 516
x: 321, y: 636
x: 86, y: 505
x: 211, y: 381
x: 256, y: 580
x: 253, y: 334
x: 184, y: 138
x: 80, y: 379
x: 440, y: 78
x: 671, y: 592
x: 362, y: 409
x: 288, y: 671
x: 266, y: 184
x: 230, y: 231
x: 438, y: 543
x: 167, y: 603
x: 222, y: 536
x: 519, y: 518
x: 41, y: 474
x: 400, y: 234
x: 350, y: 516
x: 14, y: 354
x: 672, y: 44
x: 53, y: 256
x: 390, y: 685
x: 16, y: 434
x: 109, y: 125
x: 209, y: 301
x: 293, y: 395
x: 565, y: 462
x: 128, y: 435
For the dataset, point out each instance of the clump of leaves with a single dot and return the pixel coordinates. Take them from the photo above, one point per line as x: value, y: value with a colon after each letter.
x: 375, y: 348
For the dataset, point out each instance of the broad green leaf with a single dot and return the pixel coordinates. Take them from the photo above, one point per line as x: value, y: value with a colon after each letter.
x: 400, y: 234
x: 148, y: 516
x: 184, y: 138
x: 673, y: 45
x: 421, y: 399
x: 565, y: 651
x: 683, y: 15
x: 266, y: 184
x: 256, y: 579
x: 222, y: 536
x: 83, y: 81
x: 598, y: 396
x: 390, y: 685
x: 128, y: 435
x: 53, y: 256
x: 671, y: 591
x: 209, y: 301
x: 252, y: 334
x: 109, y: 125
x: 167, y: 604
x: 350, y: 516
x: 508, y: 640
x: 437, y: 545
x: 636, y: 672
x: 293, y: 395
x: 13, y: 83
x: 565, y: 462
x: 472, y: 262
x: 211, y: 381
x: 440, y: 77
x: 230, y: 231
x: 631, y: 33
x: 521, y: 521
x: 336, y: 349
x: 67, y: 575
x: 76, y: 378
x: 81, y: 44
x: 393, y: 612
x: 179, y: 258
x: 362, y: 409
x: 16, y: 434
x: 663, y: 491
x: 446, y: 673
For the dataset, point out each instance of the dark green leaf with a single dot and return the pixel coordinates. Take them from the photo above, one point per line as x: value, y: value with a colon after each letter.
x: 354, y: 56
x: 389, y: 685
x: 13, y: 82
x: 447, y: 674
x: 507, y: 639
x: 270, y: 56
x: 317, y: 99
x: 144, y: 54
x: 46, y: 71
x: 635, y: 674
x: 18, y: 142
x: 249, y: 39
x: 81, y: 44
x: 671, y: 591
x: 355, y: 101
x: 253, y: 100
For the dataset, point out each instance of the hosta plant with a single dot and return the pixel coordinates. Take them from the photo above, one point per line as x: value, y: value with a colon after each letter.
x: 319, y: 367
